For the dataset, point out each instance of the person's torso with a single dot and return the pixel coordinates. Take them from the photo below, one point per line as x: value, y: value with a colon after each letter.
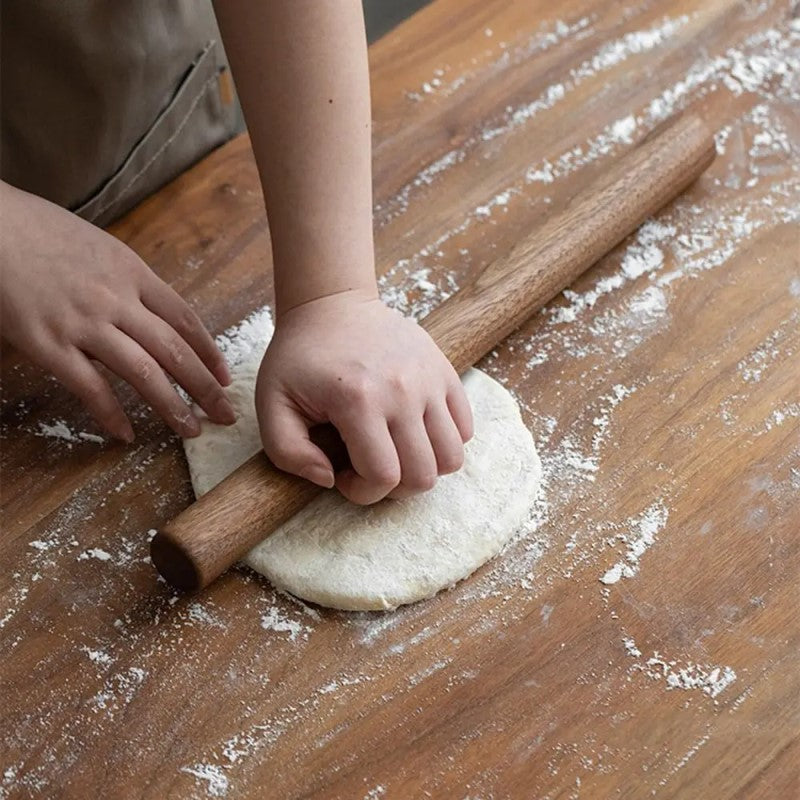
x: 102, y: 102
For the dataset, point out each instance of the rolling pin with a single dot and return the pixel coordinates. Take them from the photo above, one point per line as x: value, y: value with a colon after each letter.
x: 213, y: 533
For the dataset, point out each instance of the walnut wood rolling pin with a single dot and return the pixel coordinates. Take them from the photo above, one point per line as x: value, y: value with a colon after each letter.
x: 214, y: 532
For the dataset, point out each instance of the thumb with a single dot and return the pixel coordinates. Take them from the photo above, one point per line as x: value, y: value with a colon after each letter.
x: 284, y: 434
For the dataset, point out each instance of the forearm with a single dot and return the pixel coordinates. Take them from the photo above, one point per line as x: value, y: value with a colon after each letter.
x: 302, y: 74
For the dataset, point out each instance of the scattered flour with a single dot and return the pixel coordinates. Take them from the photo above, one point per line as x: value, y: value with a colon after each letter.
x: 240, y: 340
x: 690, y: 241
x: 274, y: 620
x: 214, y: 778
x: 630, y: 647
x: 200, y: 615
x: 97, y: 656
x: 95, y: 552
x: 642, y: 536
x: 58, y: 429
x: 707, y: 679
x: 610, y: 55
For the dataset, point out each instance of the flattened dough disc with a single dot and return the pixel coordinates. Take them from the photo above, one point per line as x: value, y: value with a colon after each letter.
x: 340, y: 555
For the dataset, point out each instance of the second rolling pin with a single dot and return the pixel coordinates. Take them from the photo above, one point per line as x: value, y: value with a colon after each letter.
x: 218, y: 529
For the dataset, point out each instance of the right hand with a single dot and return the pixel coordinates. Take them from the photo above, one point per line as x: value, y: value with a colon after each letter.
x: 71, y: 294
x: 380, y: 379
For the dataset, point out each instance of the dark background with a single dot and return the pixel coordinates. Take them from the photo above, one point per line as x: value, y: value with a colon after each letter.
x: 383, y: 15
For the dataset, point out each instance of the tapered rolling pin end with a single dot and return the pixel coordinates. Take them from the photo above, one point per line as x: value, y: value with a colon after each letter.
x: 217, y: 530
x: 174, y: 564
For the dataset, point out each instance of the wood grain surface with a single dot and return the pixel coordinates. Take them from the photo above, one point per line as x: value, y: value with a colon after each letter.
x: 663, y: 391
x: 220, y: 528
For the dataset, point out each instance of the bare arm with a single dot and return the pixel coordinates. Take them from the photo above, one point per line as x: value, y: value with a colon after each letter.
x: 302, y: 74
x: 338, y: 354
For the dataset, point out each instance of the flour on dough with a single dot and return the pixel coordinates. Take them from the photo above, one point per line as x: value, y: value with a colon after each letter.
x: 345, y: 556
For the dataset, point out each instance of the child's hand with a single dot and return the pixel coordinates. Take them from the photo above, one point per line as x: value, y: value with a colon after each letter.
x: 380, y: 379
x: 71, y: 293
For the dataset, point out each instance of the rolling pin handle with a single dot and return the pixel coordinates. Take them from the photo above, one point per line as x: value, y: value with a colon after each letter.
x: 174, y: 563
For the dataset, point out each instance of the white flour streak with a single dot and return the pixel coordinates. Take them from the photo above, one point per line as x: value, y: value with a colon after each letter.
x: 753, y: 366
x: 643, y: 255
x: 630, y: 647
x: 273, y: 620
x: 18, y: 596
x: 240, y: 340
x: 118, y: 691
x: 781, y: 415
x: 95, y: 552
x: 633, y: 43
x: 417, y: 678
x: 640, y: 538
x: 501, y: 199
x: 608, y: 56
x: 417, y: 294
x: 97, y: 656
x: 200, y: 615
x: 709, y: 680
x: 609, y: 403
x: 58, y: 429
x: 212, y: 775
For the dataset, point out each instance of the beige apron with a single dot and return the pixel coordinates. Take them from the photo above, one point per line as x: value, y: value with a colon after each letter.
x: 104, y: 101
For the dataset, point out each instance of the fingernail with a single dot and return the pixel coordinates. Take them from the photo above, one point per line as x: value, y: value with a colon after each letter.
x: 126, y: 433
x: 225, y: 412
x: 319, y: 475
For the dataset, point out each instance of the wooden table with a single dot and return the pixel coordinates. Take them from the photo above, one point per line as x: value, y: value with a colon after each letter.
x: 664, y: 395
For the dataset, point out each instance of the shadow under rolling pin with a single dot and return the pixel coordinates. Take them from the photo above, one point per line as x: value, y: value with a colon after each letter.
x: 213, y: 533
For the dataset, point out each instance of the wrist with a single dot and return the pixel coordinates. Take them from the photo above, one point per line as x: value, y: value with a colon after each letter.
x: 327, y: 306
x: 296, y: 286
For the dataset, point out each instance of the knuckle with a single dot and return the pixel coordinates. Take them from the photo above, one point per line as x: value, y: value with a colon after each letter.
x: 451, y: 461
x: 385, y: 475
x: 400, y: 385
x: 421, y: 482
x: 174, y: 350
x: 99, y: 299
x: 281, y: 454
x: 359, y: 498
x: 143, y: 367
x: 357, y: 391
x: 187, y: 322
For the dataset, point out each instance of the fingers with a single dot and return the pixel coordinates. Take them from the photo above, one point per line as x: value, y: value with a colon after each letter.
x: 125, y: 357
x: 181, y: 362
x: 166, y: 303
x: 405, y: 457
x: 376, y: 466
x: 445, y: 438
x: 284, y: 434
x: 460, y: 410
x: 76, y: 373
x: 417, y: 459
